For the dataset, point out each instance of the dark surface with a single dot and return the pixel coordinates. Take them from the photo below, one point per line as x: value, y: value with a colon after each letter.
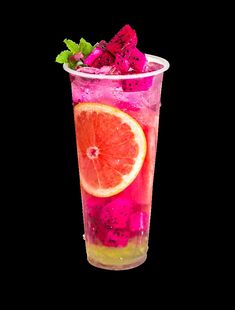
x: 48, y: 162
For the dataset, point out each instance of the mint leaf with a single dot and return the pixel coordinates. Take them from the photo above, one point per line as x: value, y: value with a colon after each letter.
x: 63, y: 57
x: 85, y: 47
x: 72, y: 64
x: 72, y: 46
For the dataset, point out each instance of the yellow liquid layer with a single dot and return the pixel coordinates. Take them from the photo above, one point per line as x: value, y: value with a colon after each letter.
x: 110, y: 256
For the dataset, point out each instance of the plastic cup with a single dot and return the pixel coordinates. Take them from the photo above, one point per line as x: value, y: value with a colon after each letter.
x: 117, y: 225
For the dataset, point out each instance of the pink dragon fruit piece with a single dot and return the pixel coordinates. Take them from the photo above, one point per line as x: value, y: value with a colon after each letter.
x: 116, y: 238
x: 100, y: 233
x: 125, y: 37
x: 91, y: 218
x: 93, y: 211
x: 121, y: 64
x: 138, y: 221
x: 116, y: 213
x: 127, y: 106
x: 138, y: 60
x: 96, y: 53
x: 93, y: 205
x: 105, y: 59
x: 128, y: 50
x: 94, y: 232
x: 134, y: 85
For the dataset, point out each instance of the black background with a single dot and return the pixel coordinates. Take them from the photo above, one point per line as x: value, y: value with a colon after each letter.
x: 47, y: 153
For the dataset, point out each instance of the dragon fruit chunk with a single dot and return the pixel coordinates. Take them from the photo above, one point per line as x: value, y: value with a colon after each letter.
x: 116, y: 213
x: 101, y: 233
x: 138, y: 60
x: 127, y: 51
x: 122, y: 39
x: 106, y: 59
x: 122, y: 64
x: 96, y: 53
x: 117, y: 238
x: 102, y: 44
x: 127, y: 106
x: 134, y: 85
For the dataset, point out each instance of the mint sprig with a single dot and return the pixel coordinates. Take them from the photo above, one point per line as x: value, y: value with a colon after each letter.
x: 72, y: 46
x: 63, y: 57
x: 84, y: 47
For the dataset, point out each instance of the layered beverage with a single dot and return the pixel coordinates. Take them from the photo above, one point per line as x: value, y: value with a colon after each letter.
x: 116, y: 91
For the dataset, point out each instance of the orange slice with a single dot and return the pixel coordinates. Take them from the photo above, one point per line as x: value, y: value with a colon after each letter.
x: 111, y: 148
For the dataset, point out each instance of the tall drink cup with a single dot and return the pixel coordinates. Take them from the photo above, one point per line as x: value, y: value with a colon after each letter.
x: 116, y: 122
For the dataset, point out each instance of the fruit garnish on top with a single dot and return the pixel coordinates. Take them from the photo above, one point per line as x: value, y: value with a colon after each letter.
x: 119, y: 56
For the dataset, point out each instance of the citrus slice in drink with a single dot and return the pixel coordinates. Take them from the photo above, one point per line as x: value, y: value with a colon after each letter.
x: 111, y: 148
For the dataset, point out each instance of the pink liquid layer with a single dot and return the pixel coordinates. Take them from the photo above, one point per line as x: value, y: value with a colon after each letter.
x: 123, y: 219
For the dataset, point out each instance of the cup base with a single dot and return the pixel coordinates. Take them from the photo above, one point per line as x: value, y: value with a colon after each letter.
x: 135, y: 264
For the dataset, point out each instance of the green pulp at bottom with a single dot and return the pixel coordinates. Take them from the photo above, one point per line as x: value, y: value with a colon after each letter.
x: 117, y: 256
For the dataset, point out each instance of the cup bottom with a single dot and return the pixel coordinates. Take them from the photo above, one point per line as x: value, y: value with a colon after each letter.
x: 132, y: 265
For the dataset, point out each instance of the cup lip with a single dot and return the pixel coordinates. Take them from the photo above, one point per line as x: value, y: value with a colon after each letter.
x: 150, y: 58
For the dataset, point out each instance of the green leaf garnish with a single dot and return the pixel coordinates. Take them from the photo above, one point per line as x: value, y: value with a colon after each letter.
x: 72, y: 46
x: 72, y: 64
x: 84, y: 47
x: 63, y: 57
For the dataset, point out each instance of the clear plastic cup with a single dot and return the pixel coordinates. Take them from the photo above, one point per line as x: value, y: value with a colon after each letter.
x: 117, y: 218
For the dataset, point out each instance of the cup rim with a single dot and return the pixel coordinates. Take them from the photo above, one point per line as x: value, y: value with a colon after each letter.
x: 150, y: 58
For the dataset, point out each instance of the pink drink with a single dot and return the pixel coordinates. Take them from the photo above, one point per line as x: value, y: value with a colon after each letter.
x: 117, y: 227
